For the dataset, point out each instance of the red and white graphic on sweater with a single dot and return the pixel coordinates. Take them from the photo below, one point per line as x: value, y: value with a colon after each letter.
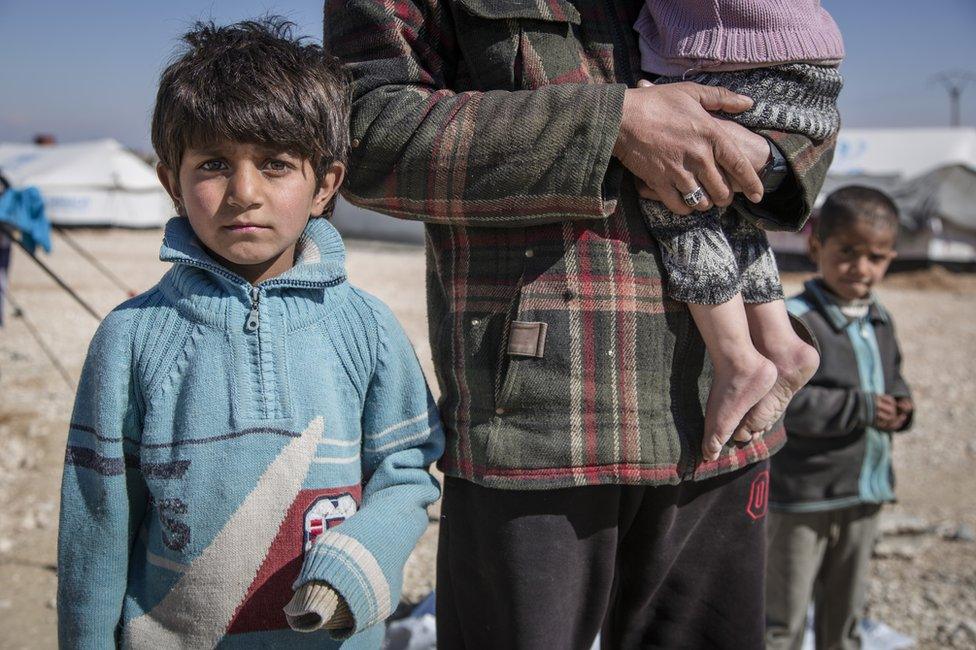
x: 326, y: 513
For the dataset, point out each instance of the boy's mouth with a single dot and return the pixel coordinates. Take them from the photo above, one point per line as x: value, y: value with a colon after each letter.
x: 245, y: 227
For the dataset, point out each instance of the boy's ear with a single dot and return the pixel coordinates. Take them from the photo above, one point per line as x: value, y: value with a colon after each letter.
x: 813, y: 248
x: 169, y: 182
x: 331, y: 181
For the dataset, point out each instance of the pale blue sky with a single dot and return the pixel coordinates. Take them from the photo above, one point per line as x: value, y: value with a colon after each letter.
x: 88, y: 69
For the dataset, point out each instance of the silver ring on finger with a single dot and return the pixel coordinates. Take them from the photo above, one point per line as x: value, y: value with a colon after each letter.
x: 694, y: 197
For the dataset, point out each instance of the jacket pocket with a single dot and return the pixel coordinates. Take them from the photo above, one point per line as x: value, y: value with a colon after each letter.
x: 470, y: 353
x: 515, y: 44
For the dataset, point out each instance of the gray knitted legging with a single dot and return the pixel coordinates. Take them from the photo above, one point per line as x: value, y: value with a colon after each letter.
x: 711, y: 256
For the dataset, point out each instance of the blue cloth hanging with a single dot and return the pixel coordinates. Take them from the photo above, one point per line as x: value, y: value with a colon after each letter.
x: 24, y: 210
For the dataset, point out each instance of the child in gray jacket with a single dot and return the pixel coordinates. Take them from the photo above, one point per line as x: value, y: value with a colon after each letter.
x: 829, y: 481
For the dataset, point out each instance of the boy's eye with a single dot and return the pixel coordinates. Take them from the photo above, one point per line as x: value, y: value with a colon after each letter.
x: 277, y: 165
x: 212, y: 166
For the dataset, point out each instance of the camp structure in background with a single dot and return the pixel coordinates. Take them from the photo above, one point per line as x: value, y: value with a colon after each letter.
x: 929, y: 172
x: 359, y: 223
x: 97, y: 183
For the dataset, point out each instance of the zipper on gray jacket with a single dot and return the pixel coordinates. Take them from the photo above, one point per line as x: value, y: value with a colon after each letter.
x: 253, y: 318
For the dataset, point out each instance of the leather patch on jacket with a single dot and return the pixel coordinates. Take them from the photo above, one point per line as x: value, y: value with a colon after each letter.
x: 527, y: 339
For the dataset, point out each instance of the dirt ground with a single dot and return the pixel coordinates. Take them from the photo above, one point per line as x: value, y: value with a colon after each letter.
x: 924, y: 585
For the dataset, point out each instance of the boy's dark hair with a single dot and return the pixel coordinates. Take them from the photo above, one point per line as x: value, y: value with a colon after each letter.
x: 252, y: 82
x: 852, y: 203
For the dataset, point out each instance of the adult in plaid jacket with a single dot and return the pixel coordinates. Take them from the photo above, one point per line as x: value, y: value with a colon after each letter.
x: 566, y: 375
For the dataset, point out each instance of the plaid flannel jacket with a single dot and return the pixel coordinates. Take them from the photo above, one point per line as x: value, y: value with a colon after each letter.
x: 560, y: 360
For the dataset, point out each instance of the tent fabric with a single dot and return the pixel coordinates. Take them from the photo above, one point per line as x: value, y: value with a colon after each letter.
x: 905, y: 153
x: 930, y: 173
x: 98, y: 183
x: 948, y: 193
x: 23, y: 210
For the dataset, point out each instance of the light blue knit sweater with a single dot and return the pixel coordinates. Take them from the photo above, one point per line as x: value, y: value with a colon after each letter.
x: 232, y: 443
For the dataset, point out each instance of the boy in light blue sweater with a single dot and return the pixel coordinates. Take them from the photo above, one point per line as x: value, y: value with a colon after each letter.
x: 249, y: 447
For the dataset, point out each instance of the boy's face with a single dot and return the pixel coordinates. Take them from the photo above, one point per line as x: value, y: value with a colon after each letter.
x: 853, y: 259
x: 249, y: 204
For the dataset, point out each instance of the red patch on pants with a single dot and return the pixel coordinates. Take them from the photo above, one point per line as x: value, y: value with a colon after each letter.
x: 758, y: 496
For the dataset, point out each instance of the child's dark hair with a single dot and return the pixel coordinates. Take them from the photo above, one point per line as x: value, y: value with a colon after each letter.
x: 853, y: 203
x: 252, y: 82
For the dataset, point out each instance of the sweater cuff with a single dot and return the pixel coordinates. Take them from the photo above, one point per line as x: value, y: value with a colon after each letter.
x: 316, y: 605
x: 345, y: 565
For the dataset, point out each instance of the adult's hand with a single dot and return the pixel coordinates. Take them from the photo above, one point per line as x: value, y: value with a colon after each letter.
x: 670, y: 142
x: 754, y: 146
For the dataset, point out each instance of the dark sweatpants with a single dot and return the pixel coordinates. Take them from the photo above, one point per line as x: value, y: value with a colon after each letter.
x: 653, y: 567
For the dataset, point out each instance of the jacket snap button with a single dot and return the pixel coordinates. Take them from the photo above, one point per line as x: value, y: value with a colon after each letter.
x: 568, y: 295
x: 355, y: 143
x: 499, y: 411
x: 529, y: 252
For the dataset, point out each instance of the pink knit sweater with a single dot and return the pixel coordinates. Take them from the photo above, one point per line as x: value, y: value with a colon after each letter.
x: 678, y: 36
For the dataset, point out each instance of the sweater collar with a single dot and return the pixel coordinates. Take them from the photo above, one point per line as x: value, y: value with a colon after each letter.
x: 319, y: 260
x: 830, y: 305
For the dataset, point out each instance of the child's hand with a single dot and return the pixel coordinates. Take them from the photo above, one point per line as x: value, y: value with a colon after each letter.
x: 905, y: 408
x: 886, y: 414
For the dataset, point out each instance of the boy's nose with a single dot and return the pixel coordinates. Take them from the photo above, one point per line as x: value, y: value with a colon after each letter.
x: 863, y: 265
x: 242, y: 188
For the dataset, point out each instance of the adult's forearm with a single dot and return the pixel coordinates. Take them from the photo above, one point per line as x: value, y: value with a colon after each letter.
x: 493, y: 159
x: 424, y: 151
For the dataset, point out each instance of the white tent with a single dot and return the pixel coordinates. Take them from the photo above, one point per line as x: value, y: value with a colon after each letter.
x: 98, y: 183
x: 929, y: 172
x: 902, y: 153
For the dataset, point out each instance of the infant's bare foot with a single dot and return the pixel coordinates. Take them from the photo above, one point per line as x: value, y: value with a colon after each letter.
x: 795, y: 364
x: 737, y: 385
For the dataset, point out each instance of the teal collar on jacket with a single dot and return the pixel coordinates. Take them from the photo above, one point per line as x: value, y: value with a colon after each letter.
x: 825, y: 302
x: 210, y: 293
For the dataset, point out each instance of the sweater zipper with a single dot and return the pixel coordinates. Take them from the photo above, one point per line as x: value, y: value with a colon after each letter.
x: 254, y: 316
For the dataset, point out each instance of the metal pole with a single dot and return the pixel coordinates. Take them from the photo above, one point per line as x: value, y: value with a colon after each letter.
x: 954, y: 82
x: 54, y: 276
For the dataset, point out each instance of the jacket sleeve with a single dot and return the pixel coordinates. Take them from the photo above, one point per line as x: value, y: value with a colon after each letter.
x: 422, y: 151
x: 363, y: 558
x: 789, y: 207
x: 821, y: 411
x: 103, y: 495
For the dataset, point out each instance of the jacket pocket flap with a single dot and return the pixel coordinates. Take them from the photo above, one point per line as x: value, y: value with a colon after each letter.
x: 560, y: 11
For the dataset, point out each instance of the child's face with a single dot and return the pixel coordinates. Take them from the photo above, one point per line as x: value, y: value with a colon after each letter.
x: 249, y: 204
x: 853, y: 259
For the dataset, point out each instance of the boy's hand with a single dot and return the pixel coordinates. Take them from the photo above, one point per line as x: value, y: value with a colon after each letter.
x: 886, y: 414
x: 905, y: 408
